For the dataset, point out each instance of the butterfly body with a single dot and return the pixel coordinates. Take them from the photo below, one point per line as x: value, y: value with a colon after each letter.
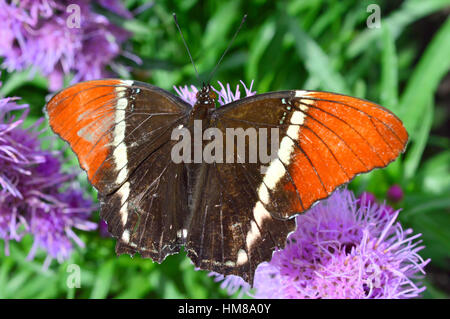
x: 230, y: 213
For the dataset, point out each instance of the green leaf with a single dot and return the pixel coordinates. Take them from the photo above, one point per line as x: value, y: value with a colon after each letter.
x: 434, y: 175
x: 18, y: 79
x: 217, y: 30
x: 137, y: 287
x: 389, y: 71
x: 433, y: 65
x: 414, y: 155
x: 5, y: 270
x: 424, y: 204
x: 15, y: 284
x: 323, y: 21
x: 257, y: 48
x: 103, y: 281
x: 138, y: 28
x: 171, y: 291
x: 410, y: 11
x: 435, y: 224
x: 36, y: 286
x: 433, y: 292
x: 316, y: 61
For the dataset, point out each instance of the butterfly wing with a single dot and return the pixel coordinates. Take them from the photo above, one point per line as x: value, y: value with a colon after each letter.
x: 325, y: 139
x: 107, y: 122
x: 120, y: 131
x: 148, y: 212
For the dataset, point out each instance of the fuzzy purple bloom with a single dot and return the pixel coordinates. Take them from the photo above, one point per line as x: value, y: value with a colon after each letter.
x: 35, y: 196
x: 117, y: 7
x: 224, y: 96
x: 395, y: 193
x: 342, y: 249
x: 41, y: 35
x: 232, y: 284
x: 103, y: 229
x: 366, y: 198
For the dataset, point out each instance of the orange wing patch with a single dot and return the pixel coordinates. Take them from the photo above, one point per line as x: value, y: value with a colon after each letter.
x: 84, y: 115
x: 340, y: 137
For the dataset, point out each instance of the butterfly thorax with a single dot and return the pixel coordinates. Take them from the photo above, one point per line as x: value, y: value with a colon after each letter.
x: 206, y: 99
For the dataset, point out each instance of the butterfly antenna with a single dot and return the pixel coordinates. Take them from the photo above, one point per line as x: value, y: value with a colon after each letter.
x: 185, y: 44
x: 226, y: 50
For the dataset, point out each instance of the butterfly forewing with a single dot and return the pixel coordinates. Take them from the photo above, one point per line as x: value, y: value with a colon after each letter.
x: 325, y: 140
x: 112, y: 125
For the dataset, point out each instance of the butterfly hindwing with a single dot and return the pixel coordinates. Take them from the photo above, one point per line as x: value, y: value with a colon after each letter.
x: 148, y: 212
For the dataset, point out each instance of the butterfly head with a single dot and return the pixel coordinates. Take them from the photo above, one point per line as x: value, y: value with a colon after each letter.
x: 206, y: 95
x: 206, y: 99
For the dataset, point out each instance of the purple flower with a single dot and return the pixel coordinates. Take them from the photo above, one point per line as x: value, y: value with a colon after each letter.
x: 231, y: 283
x: 103, y: 229
x: 117, y: 7
x: 38, y: 34
x: 35, y: 196
x: 225, y: 95
x: 395, y: 193
x: 366, y: 198
x: 344, y: 250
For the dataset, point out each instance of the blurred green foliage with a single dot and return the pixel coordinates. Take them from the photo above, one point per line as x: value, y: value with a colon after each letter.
x: 303, y: 44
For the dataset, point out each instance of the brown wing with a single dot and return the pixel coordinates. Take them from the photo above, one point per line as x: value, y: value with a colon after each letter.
x: 148, y: 212
x: 121, y: 133
x: 112, y: 125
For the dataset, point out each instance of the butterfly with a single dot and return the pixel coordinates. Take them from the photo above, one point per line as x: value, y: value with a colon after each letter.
x: 229, y: 216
